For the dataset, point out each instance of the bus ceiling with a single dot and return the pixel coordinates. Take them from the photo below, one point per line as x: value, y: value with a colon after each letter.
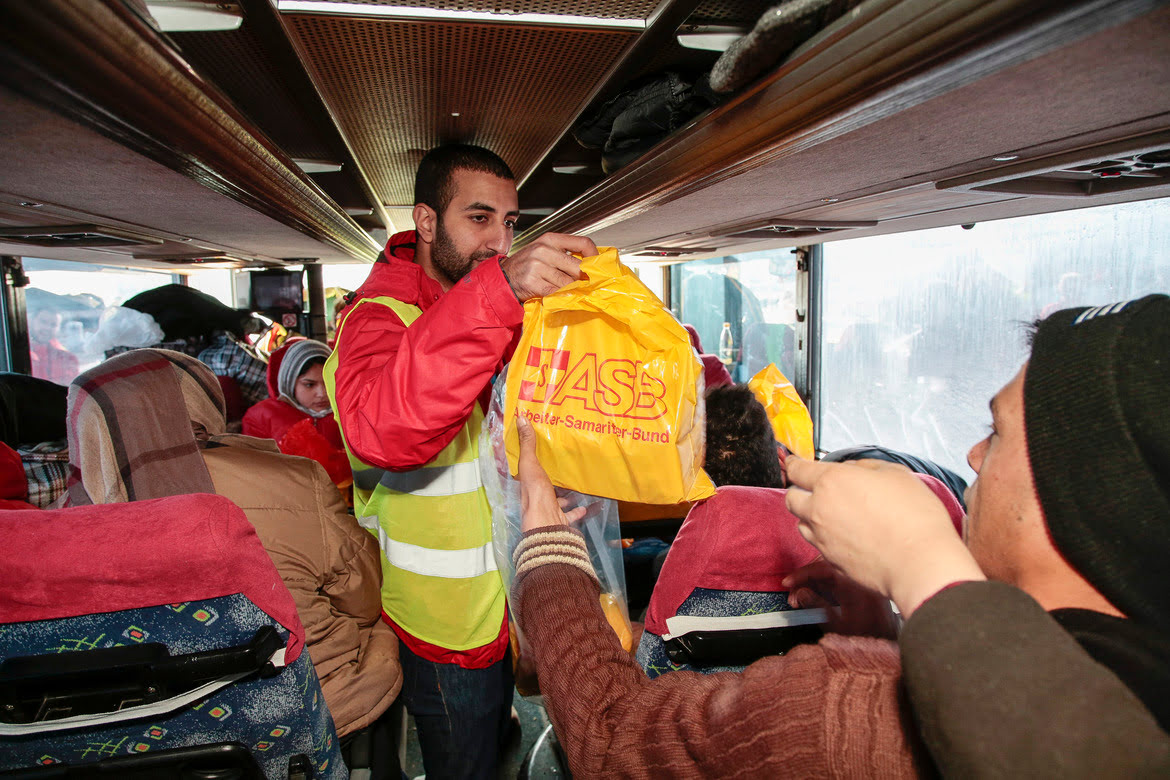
x: 294, y: 131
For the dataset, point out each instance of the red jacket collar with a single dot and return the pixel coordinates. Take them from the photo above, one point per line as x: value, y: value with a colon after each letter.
x: 396, y: 274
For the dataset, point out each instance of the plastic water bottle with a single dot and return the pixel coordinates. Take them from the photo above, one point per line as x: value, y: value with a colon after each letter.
x: 726, y: 348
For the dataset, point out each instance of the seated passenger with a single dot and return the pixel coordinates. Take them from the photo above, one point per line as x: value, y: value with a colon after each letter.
x: 228, y: 356
x: 741, y: 447
x: 1073, y: 515
x: 150, y: 423
x: 297, y: 414
x: 715, y: 374
x: 206, y: 328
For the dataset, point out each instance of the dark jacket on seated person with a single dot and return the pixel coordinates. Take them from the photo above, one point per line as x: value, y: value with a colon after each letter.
x: 953, y: 481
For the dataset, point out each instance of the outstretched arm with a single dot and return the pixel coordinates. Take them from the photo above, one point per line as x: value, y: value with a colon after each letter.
x: 881, y: 526
x: 403, y: 393
x: 612, y: 720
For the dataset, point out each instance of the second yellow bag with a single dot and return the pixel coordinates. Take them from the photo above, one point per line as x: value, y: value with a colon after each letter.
x: 613, y: 389
x: 789, y: 417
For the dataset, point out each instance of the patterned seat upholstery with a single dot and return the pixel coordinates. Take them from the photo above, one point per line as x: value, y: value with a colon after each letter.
x: 728, y: 559
x: 281, y: 719
x: 702, y: 602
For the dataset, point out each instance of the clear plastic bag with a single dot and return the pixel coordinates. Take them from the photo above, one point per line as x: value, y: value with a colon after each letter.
x: 600, y: 528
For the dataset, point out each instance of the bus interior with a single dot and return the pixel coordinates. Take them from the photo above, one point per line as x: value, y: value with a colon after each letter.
x: 873, y: 202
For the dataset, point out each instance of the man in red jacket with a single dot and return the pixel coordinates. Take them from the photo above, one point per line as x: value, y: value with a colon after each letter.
x: 417, y: 348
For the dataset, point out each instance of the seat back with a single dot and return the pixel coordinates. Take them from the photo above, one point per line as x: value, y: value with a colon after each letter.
x: 727, y: 560
x: 135, y: 662
x: 233, y: 399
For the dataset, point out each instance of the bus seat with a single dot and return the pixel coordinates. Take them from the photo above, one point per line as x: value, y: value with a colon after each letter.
x: 31, y: 410
x: 157, y: 638
x: 728, y: 559
x: 232, y: 397
x: 725, y: 631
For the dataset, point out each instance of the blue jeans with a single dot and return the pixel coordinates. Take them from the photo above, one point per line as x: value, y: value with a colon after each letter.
x: 462, y: 715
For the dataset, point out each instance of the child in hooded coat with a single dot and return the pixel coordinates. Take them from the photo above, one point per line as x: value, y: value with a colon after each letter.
x: 296, y: 413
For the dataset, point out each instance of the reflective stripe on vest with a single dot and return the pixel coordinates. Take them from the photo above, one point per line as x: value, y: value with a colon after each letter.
x: 428, y: 481
x: 449, y: 564
x: 433, y: 524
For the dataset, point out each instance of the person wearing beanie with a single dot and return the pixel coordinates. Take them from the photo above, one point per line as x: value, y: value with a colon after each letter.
x: 1077, y: 683
x: 1071, y: 508
x: 296, y: 414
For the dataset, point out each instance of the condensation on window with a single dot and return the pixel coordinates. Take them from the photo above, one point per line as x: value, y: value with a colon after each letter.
x: 71, y: 310
x: 921, y: 329
x: 755, y: 294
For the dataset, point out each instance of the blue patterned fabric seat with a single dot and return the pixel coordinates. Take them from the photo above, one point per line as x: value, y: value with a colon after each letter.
x: 276, y: 718
x: 705, y: 602
x: 205, y: 544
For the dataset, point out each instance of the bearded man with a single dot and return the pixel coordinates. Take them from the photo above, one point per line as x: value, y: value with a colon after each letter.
x: 417, y: 347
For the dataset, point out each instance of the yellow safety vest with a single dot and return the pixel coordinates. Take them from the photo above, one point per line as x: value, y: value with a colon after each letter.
x: 434, y: 527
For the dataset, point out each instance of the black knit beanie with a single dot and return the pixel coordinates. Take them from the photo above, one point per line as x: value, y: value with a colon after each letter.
x: 1097, y: 415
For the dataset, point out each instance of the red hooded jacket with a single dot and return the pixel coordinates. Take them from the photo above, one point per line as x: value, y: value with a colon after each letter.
x: 404, y: 393
x: 272, y: 417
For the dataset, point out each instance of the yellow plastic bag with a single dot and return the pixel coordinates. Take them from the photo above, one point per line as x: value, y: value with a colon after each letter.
x: 790, y: 419
x: 612, y: 387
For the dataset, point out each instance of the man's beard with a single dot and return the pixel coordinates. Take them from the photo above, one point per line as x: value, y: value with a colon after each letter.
x: 447, y: 260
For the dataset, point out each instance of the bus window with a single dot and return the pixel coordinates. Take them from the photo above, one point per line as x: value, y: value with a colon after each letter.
x: 920, y: 329
x: 66, y: 301
x: 755, y: 294
x: 651, y: 275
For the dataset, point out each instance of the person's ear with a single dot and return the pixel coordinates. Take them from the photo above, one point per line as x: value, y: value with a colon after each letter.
x: 426, y: 222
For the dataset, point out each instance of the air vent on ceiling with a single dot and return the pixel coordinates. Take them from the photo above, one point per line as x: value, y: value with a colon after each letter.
x: 672, y: 251
x: 205, y: 260
x: 75, y: 236
x: 1069, y: 178
x: 782, y: 227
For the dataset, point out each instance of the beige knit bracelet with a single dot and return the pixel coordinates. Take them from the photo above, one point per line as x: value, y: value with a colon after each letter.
x: 552, y: 546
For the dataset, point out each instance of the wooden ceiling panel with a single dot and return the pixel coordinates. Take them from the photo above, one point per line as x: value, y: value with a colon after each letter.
x: 396, y: 86
x: 238, y: 63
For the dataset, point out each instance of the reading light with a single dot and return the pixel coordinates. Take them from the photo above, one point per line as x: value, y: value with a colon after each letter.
x: 359, y: 212
x: 710, y: 37
x: 194, y: 16
x: 318, y: 166
x: 570, y: 169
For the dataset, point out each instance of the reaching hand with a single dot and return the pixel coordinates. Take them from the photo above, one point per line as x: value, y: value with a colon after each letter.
x: 853, y: 609
x: 881, y: 526
x: 539, y: 504
x: 546, y: 265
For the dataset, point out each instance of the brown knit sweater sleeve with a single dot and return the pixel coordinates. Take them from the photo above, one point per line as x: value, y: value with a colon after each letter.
x: 830, y: 709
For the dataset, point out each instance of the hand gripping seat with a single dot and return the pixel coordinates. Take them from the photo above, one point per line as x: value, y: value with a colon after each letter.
x: 153, y: 639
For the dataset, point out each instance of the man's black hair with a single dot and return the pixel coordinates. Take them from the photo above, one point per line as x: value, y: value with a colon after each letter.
x: 741, y: 449
x: 433, y: 181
